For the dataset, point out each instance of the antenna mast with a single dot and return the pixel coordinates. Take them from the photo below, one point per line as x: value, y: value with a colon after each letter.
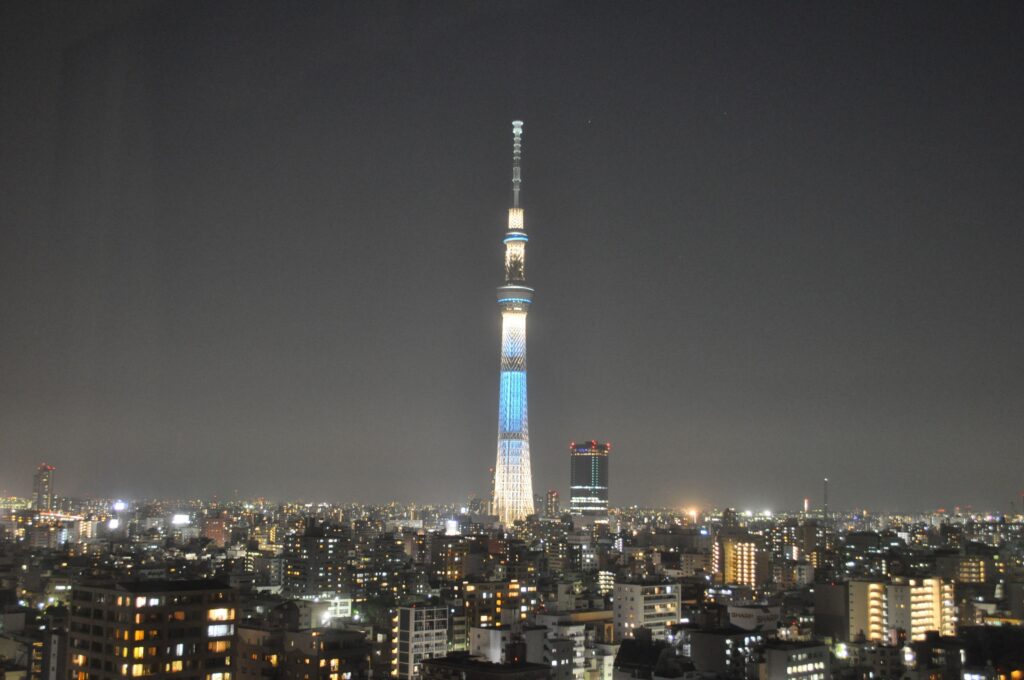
x: 517, y: 153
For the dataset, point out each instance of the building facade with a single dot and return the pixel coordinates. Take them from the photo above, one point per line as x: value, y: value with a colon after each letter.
x: 740, y: 559
x: 588, y: 478
x: 498, y: 604
x: 159, y: 629
x: 651, y: 605
x: 42, y: 488
x: 314, y: 564
x: 891, y: 610
x: 917, y: 606
x: 797, y: 661
x: 552, y: 507
x: 422, y: 634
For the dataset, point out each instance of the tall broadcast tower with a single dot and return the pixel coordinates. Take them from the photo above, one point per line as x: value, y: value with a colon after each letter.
x: 513, y: 483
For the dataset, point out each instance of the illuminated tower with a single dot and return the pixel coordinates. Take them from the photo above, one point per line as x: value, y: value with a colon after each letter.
x: 513, y: 483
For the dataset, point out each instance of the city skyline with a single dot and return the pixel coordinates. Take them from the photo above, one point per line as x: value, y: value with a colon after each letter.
x: 690, y: 509
x: 775, y: 245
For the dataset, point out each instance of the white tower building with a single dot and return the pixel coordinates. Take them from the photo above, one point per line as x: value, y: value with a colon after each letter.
x: 513, y: 482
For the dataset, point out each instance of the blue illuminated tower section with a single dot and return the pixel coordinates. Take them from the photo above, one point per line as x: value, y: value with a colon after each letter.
x: 513, y: 483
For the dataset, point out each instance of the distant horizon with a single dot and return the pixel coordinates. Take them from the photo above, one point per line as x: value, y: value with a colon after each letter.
x: 758, y: 512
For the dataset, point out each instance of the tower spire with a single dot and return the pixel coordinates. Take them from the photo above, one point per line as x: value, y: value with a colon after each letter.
x: 517, y: 154
x: 513, y: 482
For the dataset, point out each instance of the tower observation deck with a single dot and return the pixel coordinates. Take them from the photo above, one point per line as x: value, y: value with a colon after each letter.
x: 513, y: 482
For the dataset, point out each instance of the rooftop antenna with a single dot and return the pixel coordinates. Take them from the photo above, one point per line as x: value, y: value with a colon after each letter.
x: 517, y: 153
x: 825, y: 506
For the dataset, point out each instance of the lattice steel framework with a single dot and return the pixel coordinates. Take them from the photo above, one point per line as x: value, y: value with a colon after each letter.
x: 513, y: 482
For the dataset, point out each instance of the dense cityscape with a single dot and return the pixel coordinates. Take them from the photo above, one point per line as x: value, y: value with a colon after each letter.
x: 506, y: 581
x: 513, y: 586
x: 576, y: 591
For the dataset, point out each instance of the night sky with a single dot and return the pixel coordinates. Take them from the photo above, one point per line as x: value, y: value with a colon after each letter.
x: 251, y: 248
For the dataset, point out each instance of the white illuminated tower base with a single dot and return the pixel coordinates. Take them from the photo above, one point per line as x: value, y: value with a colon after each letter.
x: 513, y: 481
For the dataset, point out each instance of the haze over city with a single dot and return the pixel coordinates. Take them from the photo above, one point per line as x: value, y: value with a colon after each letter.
x: 251, y: 248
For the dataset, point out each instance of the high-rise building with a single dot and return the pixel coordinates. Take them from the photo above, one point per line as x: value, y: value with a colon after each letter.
x: 556, y: 629
x: 513, y: 482
x: 42, y: 487
x: 422, y: 634
x: 552, y: 508
x: 653, y: 605
x: 490, y: 498
x: 544, y: 646
x: 215, y: 527
x: 281, y: 648
x: 886, y: 610
x: 315, y: 561
x: 448, y: 558
x: 156, y: 629
x: 325, y: 654
x: 498, y: 604
x: 917, y: 606
x: 491, y: 644
x: 738, y: 558
x: 727, y: 652
x: 588, y: 473
x: 967, y: 568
